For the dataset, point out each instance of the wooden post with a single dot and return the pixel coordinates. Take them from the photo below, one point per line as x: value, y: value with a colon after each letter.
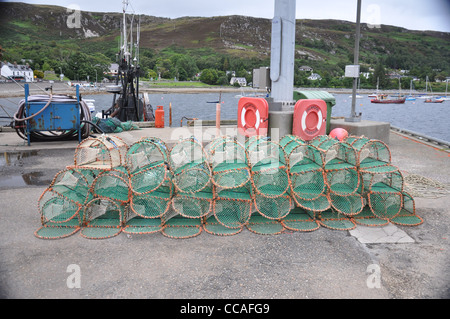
x: 170, y: 114
x: 218, y: 119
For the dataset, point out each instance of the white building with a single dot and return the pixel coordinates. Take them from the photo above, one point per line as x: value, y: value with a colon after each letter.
x: 314, y: 77
x: 241, y: 81
x: 17, y: 72
x: 305, y: 68
x: 113, y: 69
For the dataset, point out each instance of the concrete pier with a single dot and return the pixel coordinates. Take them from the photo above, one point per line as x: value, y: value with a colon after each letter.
x: 371, y: 129
x: 412, y: 262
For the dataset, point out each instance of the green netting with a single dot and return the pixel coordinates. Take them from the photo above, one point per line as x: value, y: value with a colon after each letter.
x: 386, y: 179
x: 146, y: 161
x: 340, y: 164
x: 269, y: 169
x: 193, y: 205
x: 57, y: 209
x: 73, y: 184
x: 367, y: 218
x: 113, y: 184
x: 212, y: 226
x: 233, y: 207
x: 320, y: 204
x: 149, y: 179
x: 179, y: 227
x: 273, y: 208
x: 305, y: 163
x: 114, y: 125
x: 153, y: 205
x: 370, y: 152
x: 407, y: 215
x: 300, y: 220
x: 261, y: 225
x: 385, y: 205
x: 189, y: 164
x: 147, y: 189
x: 229, y: 162
x: 383, y: 186
x: 140, y: 225
x: 104, y: 218
x: 348, y: 205
x: 334, y: 220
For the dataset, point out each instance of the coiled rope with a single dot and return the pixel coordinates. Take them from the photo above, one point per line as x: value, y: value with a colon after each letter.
x: 420, y: 186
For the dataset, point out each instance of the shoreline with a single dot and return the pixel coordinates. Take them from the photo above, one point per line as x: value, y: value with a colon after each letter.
x: 8, y: 90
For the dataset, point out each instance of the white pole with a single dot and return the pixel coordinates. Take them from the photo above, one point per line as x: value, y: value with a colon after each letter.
x: 283, y: 51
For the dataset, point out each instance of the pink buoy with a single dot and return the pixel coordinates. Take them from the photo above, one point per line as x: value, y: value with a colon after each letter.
x: 339, y: 134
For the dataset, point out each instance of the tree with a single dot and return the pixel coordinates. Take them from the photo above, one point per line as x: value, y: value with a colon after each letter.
x: 209, y: 76
x: 38, y: 74
x: 46, y: 66
x: 380, y: 75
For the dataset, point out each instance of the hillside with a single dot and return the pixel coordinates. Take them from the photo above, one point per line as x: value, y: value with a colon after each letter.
x: 29, y: 31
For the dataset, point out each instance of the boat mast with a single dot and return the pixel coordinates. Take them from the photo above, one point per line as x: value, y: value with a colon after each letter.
x: 125, y: 40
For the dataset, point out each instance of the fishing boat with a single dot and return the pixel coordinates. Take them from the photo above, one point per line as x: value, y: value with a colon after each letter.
x: 128, y: 104
x: 436, y: 100
x: 383, y: 99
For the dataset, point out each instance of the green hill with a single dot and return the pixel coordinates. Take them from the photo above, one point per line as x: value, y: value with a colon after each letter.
x: 187, y: 45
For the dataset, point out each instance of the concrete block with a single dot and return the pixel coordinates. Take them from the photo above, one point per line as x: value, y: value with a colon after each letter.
x: 374, y: 130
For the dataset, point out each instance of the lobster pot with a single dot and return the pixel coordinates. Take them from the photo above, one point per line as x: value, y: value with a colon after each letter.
x: 112, y: 184
x: 274, y: 208
x: 147, y: 210
x: 369, y: 152
x: 340, y: 164
x: 61, y: 204
x: 146, y: 162
x: 348, y: 205
x: 189, y: 165
x: 74, y: 184
x: 262, y: 225
x: 333, y: 219
x: 305, y: 163
x: 383, y: 187
x: 232, y: 208
x: 60, y: 216
x: 104, y: 152
x: 270, y: 177
x: 300, y: 219
x: 179, y: 227
x: 229, y: 162
x: 104, y: 218
x: 367, y: 218
x: 196, y: 205
x: 407, y: 215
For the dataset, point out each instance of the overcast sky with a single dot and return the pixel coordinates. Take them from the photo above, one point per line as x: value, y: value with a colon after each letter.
x: 410, y: 14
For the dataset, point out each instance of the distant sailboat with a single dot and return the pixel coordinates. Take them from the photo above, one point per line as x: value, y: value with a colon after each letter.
x: 410, y: 97
x: 446, y: 98
x: 426, y: 90
x: 375, y: 95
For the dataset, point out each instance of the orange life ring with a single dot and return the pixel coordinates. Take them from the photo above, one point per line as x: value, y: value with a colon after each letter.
x: 309, y: 119
x: 252, y: 116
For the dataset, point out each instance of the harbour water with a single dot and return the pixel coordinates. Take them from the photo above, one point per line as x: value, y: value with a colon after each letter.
x: 429, y: 119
